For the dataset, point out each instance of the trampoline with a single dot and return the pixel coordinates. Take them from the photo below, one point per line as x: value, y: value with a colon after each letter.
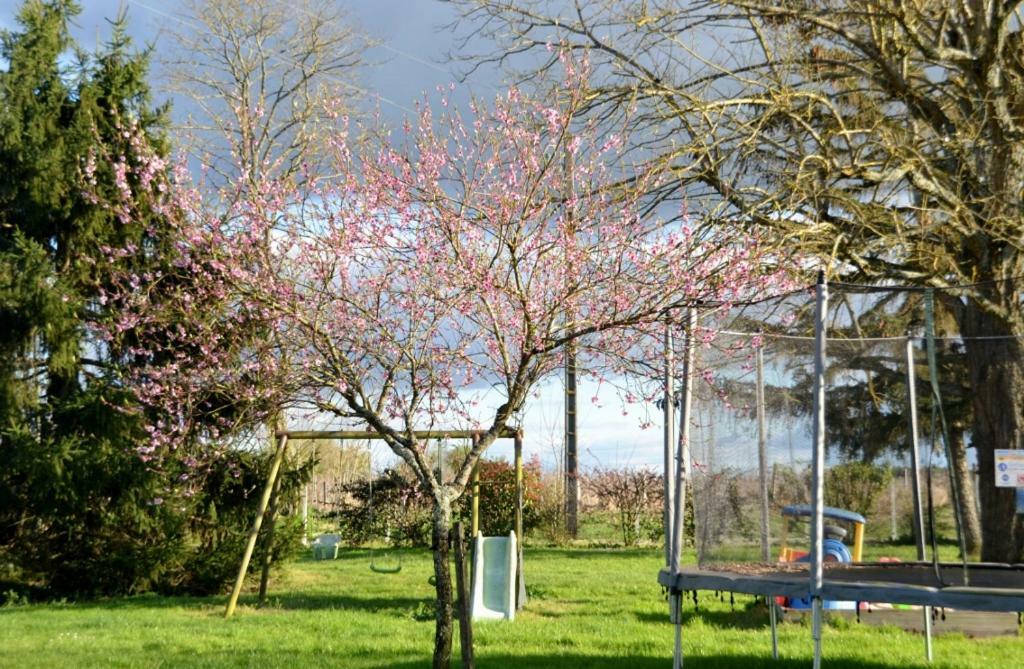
x: 991, y: 587
x: 747, y: 567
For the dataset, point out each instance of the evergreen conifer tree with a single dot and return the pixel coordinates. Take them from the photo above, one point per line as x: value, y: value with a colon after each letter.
x: 77, y: 509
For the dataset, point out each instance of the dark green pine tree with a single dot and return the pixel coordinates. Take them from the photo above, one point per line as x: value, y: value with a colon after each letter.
x: 77, y: 510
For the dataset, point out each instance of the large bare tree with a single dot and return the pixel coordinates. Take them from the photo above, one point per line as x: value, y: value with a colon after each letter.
x: 884, y: 136
x: 257, y: 74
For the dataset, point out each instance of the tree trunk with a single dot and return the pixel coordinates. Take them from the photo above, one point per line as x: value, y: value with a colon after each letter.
x: 443, y: 578
x: 996, y: 370
x: 968, y: 498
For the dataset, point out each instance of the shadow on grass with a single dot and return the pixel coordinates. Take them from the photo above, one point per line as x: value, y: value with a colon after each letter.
x: 345, y: 602
x: 145, y: 601
x: 745, y: 612
x: 726, y: 661
x: 291, y: 602
x: 589, y: 554
x: 740, y: 620
x: 289, y: 658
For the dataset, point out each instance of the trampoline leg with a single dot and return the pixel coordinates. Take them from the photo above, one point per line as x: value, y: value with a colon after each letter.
x: 928, y: 633
x: 675, y: 600
x: 816, y: 630
x: 774, y: 623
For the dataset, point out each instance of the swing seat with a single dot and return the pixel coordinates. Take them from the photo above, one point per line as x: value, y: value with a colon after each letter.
x: 385, y: 565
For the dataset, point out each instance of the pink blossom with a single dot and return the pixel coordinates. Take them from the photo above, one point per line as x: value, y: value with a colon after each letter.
x: 422, y: 271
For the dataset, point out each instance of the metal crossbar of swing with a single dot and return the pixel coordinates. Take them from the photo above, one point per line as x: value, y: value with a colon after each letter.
x: 976, y: 586
x: 284, y: 436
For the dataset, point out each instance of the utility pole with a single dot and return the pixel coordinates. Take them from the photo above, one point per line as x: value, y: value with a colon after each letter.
x: 572, y: 483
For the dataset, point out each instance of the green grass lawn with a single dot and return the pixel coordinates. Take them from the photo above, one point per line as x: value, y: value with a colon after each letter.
x: 588, y: 608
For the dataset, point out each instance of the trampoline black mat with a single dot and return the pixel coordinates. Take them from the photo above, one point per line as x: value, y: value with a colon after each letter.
x: 988, y: 587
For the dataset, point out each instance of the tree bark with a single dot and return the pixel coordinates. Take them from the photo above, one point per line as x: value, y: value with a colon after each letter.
x: 968, y: 498
x: 996, y: 369
x: 443, y: 581
x: 461, y: 583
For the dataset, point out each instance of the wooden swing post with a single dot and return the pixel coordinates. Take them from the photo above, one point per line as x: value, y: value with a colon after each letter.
x: 268, y: 489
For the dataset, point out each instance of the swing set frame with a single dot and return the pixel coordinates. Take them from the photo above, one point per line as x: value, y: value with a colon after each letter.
x: 283, y: 437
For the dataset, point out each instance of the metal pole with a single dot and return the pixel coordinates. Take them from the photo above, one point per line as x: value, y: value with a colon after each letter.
x: 818, y: 463
x: 911, y: 392
x: 682, y: 480
x: 928, y: 633
x: 915, y: 482
x: 676, y: 602
x: 682, y: 460
x: 520, y: 581
x: 772, y: 618
x: 254, y: 533
x: 762, y: 454
x: 762, y: 464
x: 816, y: 629
x: 669, y: 415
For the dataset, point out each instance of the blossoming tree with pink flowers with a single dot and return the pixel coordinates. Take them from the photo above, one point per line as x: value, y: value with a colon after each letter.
x: 422, y: 277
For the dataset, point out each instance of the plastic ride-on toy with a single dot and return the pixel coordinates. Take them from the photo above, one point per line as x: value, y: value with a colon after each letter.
x: 833, y: 548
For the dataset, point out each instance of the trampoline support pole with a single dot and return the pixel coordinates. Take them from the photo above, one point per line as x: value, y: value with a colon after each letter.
x: 773, y: 619
x: 816, y: 630
x: 682, y: 456
x: 679, y: 449
x: 675, y: 600
x: 670, y: 443
x: 915, y: 466
x: 928, y: 633
x: 762, y: 455
x: 818, y: 464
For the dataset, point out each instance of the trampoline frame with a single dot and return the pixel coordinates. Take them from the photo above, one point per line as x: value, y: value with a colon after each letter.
x: 863, y: 582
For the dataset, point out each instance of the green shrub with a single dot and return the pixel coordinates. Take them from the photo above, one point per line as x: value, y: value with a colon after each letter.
x: 855, y: 485
x: 394, y: 509
x: 498, y: 497
x: 219, y: 528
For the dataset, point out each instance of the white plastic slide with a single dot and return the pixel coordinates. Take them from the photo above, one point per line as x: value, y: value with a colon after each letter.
x: 494, y: 578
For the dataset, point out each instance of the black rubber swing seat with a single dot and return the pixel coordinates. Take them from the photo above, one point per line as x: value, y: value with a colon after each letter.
x: 385, y: 568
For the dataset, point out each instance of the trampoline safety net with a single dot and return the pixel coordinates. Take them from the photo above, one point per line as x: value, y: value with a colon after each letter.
x: 751, y: 439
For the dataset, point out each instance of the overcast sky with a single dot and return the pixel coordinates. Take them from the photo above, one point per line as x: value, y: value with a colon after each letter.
x: 412, y: 61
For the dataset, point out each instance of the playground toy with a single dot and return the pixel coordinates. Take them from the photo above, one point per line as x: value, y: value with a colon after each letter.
x: 835, y: 549
x: 281, y: 448
x: 494, y: 578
